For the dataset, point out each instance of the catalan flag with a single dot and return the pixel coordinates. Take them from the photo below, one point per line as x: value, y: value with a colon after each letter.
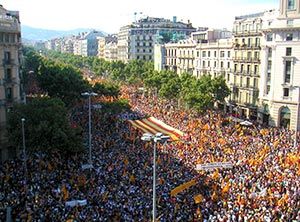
x: 183, y: 187
x: 153, y: 126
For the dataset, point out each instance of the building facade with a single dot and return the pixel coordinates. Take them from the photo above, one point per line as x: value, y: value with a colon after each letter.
x: 11, y: 90
x: 246, y: 68
x: 280, y: 80
x: 103, y: 42
x: 111, y: 51
x: 136, y: 41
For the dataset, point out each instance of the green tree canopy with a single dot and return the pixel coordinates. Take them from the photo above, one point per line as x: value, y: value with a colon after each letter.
x: 61, y: 81
x: 46, y: 126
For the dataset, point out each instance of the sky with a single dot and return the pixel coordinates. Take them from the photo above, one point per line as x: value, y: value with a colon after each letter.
x: 110, y: 15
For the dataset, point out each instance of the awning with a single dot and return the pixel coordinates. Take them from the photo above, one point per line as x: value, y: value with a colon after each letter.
x: 153, y: 126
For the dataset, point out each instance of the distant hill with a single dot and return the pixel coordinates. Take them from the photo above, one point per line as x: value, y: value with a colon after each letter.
x: 37, y: 34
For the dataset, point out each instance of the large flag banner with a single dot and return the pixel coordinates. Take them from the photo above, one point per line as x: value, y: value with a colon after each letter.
x: 153, y: 126
x: 182, y: 187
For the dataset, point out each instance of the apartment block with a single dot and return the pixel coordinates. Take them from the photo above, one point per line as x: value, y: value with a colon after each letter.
x: 136, y: 41
x: 280, y: 76
x: 11, y: 90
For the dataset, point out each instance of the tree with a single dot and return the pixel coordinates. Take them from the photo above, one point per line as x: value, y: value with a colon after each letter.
x: 107, y: 89
x: 61, y: 81
x: 171, y: 89
x: 220, y: 89
x: 46, y: 126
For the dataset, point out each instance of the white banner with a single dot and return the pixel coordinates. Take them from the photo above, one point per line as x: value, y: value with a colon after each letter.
x: 74, y: 203
x: 212, y: 166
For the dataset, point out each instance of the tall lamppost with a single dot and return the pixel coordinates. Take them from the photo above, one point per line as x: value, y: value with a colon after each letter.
x: 25, y: 158
x: 297, y: 117
x: 89, y: 94
x: 157, y: 138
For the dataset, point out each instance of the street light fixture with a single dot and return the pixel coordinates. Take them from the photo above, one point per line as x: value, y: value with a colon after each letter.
x: 157, y: 138
x: 297, y: 117
x: 25, y: 158
x: 89, y: 94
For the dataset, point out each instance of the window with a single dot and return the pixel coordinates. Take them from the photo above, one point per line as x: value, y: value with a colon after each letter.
x: 235, y: 67
x: 286, y: 92
x: 198, y: 53
x: 228, y: 54
x: 222, y: 54
x: 8, y: 74
x: 204, y: 54
x: 242, y: 68
x: 255, y: 82
x: 289, y: 22
x: 257, y: 42
x: 222, y: 64
x: 289, y: 37
x: 228, y: 77
x: 255, y: 69
x: 8, y: 93
x: 7, y: 57
x: 268, y: 89
x: 249, y: 42
x: 291, y: 5
x: 215, y: 64
x: 269, y: 52
x: 208, y: 53
x: 248, y: 68
x: 228, y: 65
x: 248, y: 83
x: 288, y: 69
x: 288, y: 51
x: 208, y: 63
x: 269, y: 37
x: 249, y: 54
x: 203, y: 64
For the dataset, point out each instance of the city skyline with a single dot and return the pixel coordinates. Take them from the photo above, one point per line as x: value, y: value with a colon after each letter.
x: 109, y: 17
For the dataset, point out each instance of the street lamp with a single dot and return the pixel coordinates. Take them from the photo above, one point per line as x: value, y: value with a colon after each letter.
x: 297, y: 115
x: 157, y: 138
x: 89, y: 94
x: 25, y: 158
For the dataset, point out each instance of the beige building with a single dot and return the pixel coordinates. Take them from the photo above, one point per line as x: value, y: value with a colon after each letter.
x: 10, y: 71
x: 102, y: 42
x: 111, y: 51
x: 280, y: 76
x: 246, y: 64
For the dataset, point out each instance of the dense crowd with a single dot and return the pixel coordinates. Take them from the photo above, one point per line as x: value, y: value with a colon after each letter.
x: 263, y: 185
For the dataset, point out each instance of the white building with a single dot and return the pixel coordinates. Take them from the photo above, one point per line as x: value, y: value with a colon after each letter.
x: 280, y: 75
x: 111, y: 51
x: 136, y: 41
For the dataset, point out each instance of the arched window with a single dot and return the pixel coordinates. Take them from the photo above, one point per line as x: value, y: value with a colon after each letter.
x: 285, y: 117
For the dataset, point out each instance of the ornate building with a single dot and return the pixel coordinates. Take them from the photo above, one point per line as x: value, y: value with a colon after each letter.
x: 11, y: 90
x: 280, y: 76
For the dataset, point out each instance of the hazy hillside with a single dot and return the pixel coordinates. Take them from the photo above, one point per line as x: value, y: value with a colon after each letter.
x: 36, y: 34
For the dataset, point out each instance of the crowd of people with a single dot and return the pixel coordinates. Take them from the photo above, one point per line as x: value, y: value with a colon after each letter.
x: 262, y: 185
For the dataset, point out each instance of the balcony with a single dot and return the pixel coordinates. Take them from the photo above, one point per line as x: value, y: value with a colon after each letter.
x: 8, y: 102
x: 11, y: 81
x: 6, y: 62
